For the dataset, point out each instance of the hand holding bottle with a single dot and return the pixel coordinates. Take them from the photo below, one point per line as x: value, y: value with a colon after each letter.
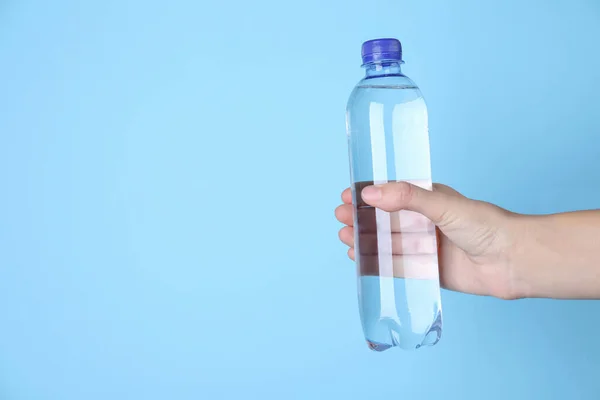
x: 486, y: 250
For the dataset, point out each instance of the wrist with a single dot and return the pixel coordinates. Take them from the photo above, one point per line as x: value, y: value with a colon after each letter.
x: 525, y: 253
x: 539, y: 257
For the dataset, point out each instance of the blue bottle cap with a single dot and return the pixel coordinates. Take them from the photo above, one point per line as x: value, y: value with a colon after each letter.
x: 381, y: 50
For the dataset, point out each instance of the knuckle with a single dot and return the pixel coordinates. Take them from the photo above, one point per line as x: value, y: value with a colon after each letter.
x: 404, y: 192
x: 444, y: 219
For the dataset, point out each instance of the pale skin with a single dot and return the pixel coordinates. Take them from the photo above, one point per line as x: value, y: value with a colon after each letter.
x: 486, y: 250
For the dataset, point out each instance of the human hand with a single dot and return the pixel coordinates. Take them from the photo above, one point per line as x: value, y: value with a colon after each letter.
x: 476, y: 240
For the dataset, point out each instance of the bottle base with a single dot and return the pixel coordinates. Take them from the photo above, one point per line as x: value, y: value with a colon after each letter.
x: 431, y: 338
x: 378, y: 347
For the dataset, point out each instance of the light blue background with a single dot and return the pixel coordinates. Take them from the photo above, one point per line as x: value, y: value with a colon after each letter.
x: 168, y: 175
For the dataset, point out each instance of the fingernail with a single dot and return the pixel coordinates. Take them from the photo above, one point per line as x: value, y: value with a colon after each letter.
x: 371, y: 193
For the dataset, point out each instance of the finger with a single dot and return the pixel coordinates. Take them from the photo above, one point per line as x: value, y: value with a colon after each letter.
x: 347, y: 196
x: 351, y: 253
x: 345, y: 214
x: 439, y: 207
x: 416, y: 266
x: 374, y: 244
x: 347, y: 236
x: 371, y: 221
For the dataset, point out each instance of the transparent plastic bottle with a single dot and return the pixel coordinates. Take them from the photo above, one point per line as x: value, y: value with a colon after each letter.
x: 396, y: 253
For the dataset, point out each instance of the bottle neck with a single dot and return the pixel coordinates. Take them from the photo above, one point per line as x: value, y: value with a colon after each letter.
x: 380, y: 69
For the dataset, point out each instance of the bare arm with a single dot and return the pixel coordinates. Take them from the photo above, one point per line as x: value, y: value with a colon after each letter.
x: 558, y: 255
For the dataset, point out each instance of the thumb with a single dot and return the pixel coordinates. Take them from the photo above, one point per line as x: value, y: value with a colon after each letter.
x: 441, y: 207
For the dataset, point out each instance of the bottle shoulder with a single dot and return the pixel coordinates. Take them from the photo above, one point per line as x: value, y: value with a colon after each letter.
x: 390, y: 90
x: 393, y: 79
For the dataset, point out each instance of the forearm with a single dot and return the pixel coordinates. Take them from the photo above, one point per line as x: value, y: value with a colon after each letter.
x: 557, y: 256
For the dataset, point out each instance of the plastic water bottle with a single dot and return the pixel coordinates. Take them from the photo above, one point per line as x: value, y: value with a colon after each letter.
x: 396, y: 253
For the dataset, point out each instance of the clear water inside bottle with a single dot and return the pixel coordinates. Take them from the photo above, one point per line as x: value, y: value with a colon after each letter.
x: 398, y: 287
x: 396, y: 253
x: 398, y: 313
